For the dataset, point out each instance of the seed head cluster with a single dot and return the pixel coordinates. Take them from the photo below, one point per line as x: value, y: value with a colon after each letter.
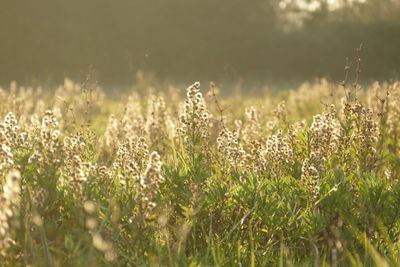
x: 195, y: 118
x: 10, y: 137
x: 149, y: 184
x: 326, y: 133
x: 123, y: 181
x: 228, y: 143
x: 278, y: 152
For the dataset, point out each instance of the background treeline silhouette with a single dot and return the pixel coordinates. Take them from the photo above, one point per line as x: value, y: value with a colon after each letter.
x: 181, y: 40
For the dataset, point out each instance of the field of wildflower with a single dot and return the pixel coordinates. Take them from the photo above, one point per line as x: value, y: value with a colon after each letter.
x: 175, y: 177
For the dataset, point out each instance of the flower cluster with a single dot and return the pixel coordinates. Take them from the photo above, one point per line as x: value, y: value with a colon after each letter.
x: 326, y: 133
x: 149, y: 184
x: 365, y: 129
x: 130, y: 126
x: 10, y: 137
x: 278, y: 152
x: 75, y: 168
x: 195, y: 118
x: 130, y: 159
x: 251, y: 130
x: 229, y: 145
x: 293, y: 132
x: 46, y: 139
x: 312, y: 166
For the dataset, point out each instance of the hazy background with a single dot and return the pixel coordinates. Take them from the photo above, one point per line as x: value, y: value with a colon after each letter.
x: 261, y: 41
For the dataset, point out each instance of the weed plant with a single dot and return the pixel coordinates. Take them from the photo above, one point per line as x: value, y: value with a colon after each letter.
x: 307, y: 178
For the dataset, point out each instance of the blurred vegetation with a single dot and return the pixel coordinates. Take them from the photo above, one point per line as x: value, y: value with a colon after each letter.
x: 179, y: 40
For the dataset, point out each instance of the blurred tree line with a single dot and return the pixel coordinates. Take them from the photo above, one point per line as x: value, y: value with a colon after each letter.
x: 181, y: 40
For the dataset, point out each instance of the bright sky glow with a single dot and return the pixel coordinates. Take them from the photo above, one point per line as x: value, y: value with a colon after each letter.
x: 315, y: 4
